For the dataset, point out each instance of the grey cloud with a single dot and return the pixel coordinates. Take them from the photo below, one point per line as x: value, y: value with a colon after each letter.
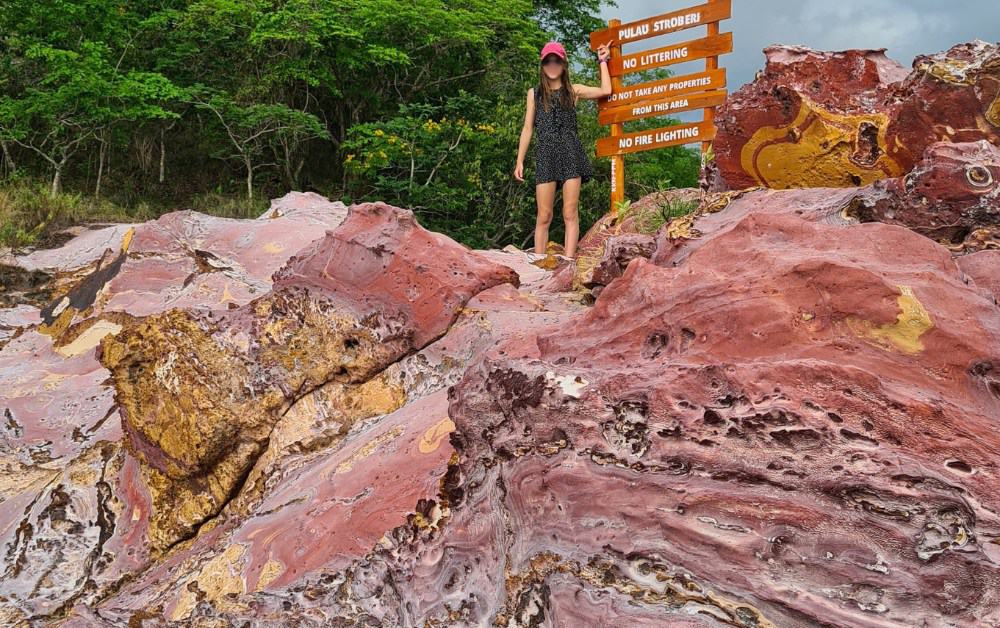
x: 906, y: 27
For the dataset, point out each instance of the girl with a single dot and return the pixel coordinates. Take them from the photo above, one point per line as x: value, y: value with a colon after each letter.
x: 560, y: 160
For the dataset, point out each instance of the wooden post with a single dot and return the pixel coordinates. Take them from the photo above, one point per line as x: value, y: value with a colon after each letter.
x: 711, y: 63
x: 617, y: 161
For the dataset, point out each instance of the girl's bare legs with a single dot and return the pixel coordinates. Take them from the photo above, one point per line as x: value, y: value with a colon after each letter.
x: 571, y: 217
x: 545, y: 196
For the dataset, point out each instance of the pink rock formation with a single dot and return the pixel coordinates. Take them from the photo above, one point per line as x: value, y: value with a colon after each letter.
x: 612, y: 241
x: 981, y: 268
x: 780, y: 410
x: 74, y: 511
x: 808, y: 444
x: 342, y: 310
x: 788, y: 421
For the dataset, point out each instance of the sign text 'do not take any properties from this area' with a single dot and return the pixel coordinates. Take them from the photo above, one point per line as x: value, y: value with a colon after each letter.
x: 666, y: 88
x: 661, y: 107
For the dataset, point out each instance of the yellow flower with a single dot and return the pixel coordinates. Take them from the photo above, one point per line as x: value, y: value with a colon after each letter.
x: 379, y: 132
x: 350, y: 157
x: 381, y: 154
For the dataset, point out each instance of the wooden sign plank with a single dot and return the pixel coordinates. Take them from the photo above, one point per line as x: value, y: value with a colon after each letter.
x: 617, y: 162
x: 661, y: 107
x: 711, y: 63
x: 655, y: 138
x: 666, y: 88
x: 663, y: 24
x: 671, y: 55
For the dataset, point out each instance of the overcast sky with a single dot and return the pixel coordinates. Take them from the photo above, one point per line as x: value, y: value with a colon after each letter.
x: 906, y: 27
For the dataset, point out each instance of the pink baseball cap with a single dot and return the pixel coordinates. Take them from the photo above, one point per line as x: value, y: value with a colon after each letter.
x: 553, y: 47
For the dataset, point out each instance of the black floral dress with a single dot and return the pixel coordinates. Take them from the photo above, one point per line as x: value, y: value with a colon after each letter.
x: 559, y: 154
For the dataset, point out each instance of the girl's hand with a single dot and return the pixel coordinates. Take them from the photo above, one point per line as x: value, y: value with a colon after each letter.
x: 604, y: 52
x: 519, y: 172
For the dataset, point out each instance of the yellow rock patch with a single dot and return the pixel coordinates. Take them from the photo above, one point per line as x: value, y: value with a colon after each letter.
x: 89, y: 338
x: 271, y: 570
x: 903, y: 335
x: 218, y: 578
x: 432, y: 438
x: 817, y: 150
x: 127, y: 239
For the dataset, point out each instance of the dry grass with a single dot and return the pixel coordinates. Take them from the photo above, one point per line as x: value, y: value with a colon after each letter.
x: 30, y: 216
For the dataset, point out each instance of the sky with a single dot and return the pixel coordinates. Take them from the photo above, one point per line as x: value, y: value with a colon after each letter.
x: 906, y: 27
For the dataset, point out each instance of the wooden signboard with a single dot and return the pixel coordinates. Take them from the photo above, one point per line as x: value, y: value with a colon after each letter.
x: 661, y: 107
x: 663, y: 137
x: 663, y: 24
x: 672, y: 55
x: 667, y: 88
x: 702, y: 90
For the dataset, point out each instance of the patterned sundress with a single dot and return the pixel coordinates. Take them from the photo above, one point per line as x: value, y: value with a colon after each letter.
x: 559, y: 154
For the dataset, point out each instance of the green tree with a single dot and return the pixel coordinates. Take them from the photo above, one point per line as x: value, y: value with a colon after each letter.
x: 448, y: 163
x: 253, y: 129
x: 261, y: 96
x: 571, y: 21
x: 66, y: 85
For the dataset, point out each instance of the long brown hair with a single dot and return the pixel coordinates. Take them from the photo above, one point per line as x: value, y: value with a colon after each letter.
x: 567, y: 99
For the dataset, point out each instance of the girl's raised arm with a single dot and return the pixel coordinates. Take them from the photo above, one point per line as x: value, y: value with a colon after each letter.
x: 586, y: 91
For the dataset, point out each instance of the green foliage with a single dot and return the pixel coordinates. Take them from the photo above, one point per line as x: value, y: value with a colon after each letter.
x: 570, y: 21
x: 253, y: 128
x: 227, y: 205
x: 649, y: 220
x: 449, y: 164
x: 66, y: 83
x: 219, y: 103
x: 709, y: 155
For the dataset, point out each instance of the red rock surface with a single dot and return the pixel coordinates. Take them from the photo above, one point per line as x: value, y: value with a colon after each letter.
x: 952, y: 196
x: 981, y: 268
x: 822, y: 119
x: 787, y: 420
x: 785, y: 416
x: 342, y: 310
x: 599, y: 260
x: 810, y: 444
x: 309, y: 510
x: 78, y: 508
x: 953, y: 191
x: 73, y: 510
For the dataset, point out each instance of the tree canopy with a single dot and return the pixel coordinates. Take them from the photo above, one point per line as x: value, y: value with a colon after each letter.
x: 417, y: 103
